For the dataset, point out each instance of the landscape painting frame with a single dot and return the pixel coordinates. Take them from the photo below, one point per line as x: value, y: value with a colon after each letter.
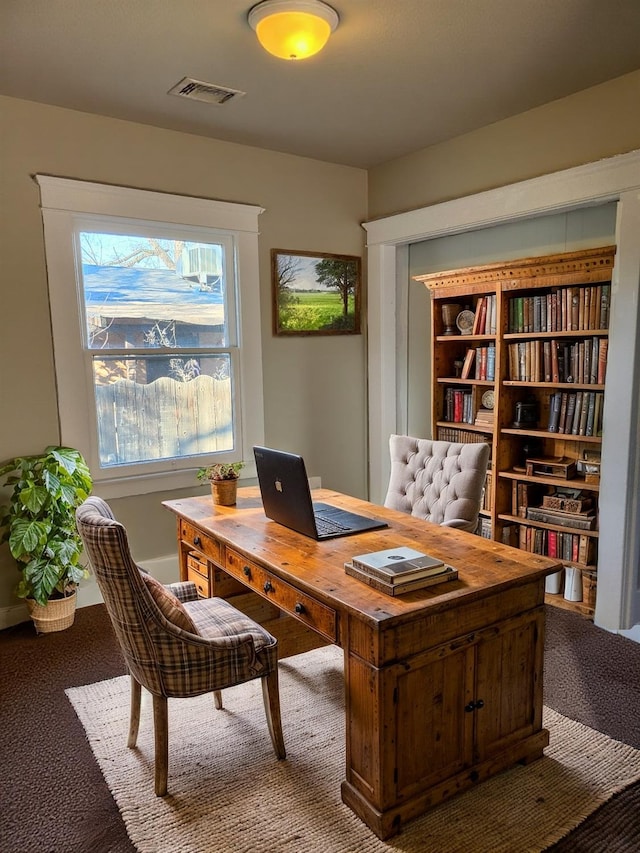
x: 315, y: 293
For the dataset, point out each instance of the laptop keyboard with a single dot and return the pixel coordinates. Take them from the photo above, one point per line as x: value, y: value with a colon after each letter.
x: 325, y: 525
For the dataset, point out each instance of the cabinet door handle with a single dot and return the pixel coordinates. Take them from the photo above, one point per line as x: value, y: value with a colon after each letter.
x: 268, y: 586
x: 470, y: 707
x: 480, y: 703
x: 300, y: 608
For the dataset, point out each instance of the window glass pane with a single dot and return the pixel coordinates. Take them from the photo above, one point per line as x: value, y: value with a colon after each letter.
x: 162, y: 407
x: 143, y: 292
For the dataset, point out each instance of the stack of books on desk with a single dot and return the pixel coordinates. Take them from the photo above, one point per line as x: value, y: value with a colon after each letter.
x: 399, y: 570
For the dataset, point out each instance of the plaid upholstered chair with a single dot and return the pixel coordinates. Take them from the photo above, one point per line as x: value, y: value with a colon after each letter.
x: 439, y: 481
x: 174, y: 644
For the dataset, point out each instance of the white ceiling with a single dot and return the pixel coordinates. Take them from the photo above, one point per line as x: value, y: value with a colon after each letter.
x: 396, y: 76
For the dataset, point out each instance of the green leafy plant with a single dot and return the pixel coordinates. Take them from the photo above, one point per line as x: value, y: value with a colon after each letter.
x: 39, y: 522
x: 221, y: 471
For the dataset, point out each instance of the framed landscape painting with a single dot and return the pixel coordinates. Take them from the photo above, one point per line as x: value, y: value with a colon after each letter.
x: 315, y: 293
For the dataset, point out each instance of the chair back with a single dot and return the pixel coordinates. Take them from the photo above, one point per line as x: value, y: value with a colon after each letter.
x: 439, y: 481
x: 134, y: 615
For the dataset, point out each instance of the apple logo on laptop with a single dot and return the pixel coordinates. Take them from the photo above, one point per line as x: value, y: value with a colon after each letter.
x: 278, y: 485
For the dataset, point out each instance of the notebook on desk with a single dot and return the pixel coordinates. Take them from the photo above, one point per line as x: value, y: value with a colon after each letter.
x: 286, y: 498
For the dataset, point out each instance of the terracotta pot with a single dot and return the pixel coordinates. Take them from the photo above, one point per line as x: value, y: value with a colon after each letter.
x: 224, y: 492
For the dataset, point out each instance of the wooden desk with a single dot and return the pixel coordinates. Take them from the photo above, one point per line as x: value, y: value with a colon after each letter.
x: 443, y: 686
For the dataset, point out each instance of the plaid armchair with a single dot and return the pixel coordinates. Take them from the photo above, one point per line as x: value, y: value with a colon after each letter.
x: 174, y: 644
x: 439, y: 481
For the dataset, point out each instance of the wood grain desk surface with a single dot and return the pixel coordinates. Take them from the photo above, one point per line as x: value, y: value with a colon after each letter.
x: 484, y: 566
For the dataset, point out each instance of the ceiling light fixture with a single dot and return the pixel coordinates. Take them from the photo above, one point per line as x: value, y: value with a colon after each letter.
x: 293, y: 30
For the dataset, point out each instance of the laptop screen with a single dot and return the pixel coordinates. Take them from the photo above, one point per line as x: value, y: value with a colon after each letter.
x: 286, y: 498
x: 284, y: 487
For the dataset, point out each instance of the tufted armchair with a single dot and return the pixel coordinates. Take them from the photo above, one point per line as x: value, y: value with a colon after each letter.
x: 174, y: 644
x: 438, y: 481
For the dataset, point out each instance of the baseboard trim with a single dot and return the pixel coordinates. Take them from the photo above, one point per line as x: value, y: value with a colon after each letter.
x: 165, y: 569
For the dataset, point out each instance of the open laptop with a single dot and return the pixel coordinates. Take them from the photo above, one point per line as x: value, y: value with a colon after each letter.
x: 286, y: 498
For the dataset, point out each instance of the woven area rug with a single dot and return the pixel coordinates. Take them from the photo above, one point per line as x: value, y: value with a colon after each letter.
x: 229, y: 794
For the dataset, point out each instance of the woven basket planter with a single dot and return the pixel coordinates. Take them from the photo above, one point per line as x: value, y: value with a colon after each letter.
x: 224, y: 492
x: 56, y: 615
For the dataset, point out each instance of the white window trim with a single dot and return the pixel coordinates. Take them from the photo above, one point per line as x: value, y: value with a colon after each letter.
x: 62, y: 201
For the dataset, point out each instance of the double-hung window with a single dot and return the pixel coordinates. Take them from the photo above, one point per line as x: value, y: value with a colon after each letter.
x: 156, y: 330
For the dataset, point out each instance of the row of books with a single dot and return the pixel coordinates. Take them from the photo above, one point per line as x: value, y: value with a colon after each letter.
x: 554, y: 543
x: 485, y: 363
x: 399, y: 570
x: 576, y: 412
x: 458, y: 406
x: 484, y: 418
x: 485, y: 320
x: 563, y: 309
x: 580, y: 520
x: 582, y: 362
x: 463, y: 436
x: 484, y: 527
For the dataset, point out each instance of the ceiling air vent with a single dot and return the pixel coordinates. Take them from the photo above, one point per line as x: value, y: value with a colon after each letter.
x: 197, y: 90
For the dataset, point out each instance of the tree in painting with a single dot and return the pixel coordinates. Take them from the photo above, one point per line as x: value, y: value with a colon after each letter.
x: 339, y: 275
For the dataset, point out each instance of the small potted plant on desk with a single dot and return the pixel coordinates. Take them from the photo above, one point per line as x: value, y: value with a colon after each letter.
x: 40, y: 525
x: 223, y: 477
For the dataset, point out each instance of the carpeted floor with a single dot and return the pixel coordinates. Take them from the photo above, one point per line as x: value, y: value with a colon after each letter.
x: 53, y: 796
x: 213, y: 754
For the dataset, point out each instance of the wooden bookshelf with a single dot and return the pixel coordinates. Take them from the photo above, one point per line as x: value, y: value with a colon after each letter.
x: 540, y: 339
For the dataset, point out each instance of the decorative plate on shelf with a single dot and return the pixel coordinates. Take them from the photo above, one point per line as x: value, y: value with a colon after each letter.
x: 464, y: 321
x: 488, y: 399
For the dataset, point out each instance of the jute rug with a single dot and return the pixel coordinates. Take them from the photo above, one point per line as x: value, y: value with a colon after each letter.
x: 229, y: 794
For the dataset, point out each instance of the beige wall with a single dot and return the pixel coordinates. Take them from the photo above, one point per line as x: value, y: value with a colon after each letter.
x: 582, y: 128
x: 315, y: 389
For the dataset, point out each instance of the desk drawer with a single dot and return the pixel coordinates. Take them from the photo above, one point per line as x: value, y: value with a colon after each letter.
x: 195, y: 538
x: 314, y: 614
x: 202, y: 583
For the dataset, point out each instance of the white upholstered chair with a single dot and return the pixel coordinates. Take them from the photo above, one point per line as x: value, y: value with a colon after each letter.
x: 439, y: 481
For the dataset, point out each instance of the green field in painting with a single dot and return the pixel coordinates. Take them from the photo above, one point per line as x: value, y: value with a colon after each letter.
x: 315, y: 311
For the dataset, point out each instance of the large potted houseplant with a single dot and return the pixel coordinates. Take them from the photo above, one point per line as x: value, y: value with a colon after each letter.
x: 223, y: 477
x: 39, y: 525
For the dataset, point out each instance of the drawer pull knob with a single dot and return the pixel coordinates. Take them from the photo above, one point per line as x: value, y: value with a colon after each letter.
x: 268, y: 586
x: 247, y: 571
x: 197, y: 540
x: 299, y: 608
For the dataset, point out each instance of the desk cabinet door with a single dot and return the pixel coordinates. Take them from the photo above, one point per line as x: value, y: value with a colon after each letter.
x: 434, y: 733
x: 508, y: 684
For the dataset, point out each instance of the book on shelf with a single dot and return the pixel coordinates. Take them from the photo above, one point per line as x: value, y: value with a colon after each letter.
x: 563, y: 411
x: 584, y: 413
x: 581, y: 521
x: 467, y: 363
x: 484, y: 417
x: 591, y: 411
x: 604, y: 306
x: 450, y: 574
x: 484, y: 527
x: 555, y: 404
x: 603, y: 346
x: 576, y: 415
x: 482, y: 319
x: 398, y: 564
x: 555, y: 367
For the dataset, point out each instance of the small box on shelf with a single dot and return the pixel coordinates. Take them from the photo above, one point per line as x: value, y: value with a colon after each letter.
x: 552, y: 466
